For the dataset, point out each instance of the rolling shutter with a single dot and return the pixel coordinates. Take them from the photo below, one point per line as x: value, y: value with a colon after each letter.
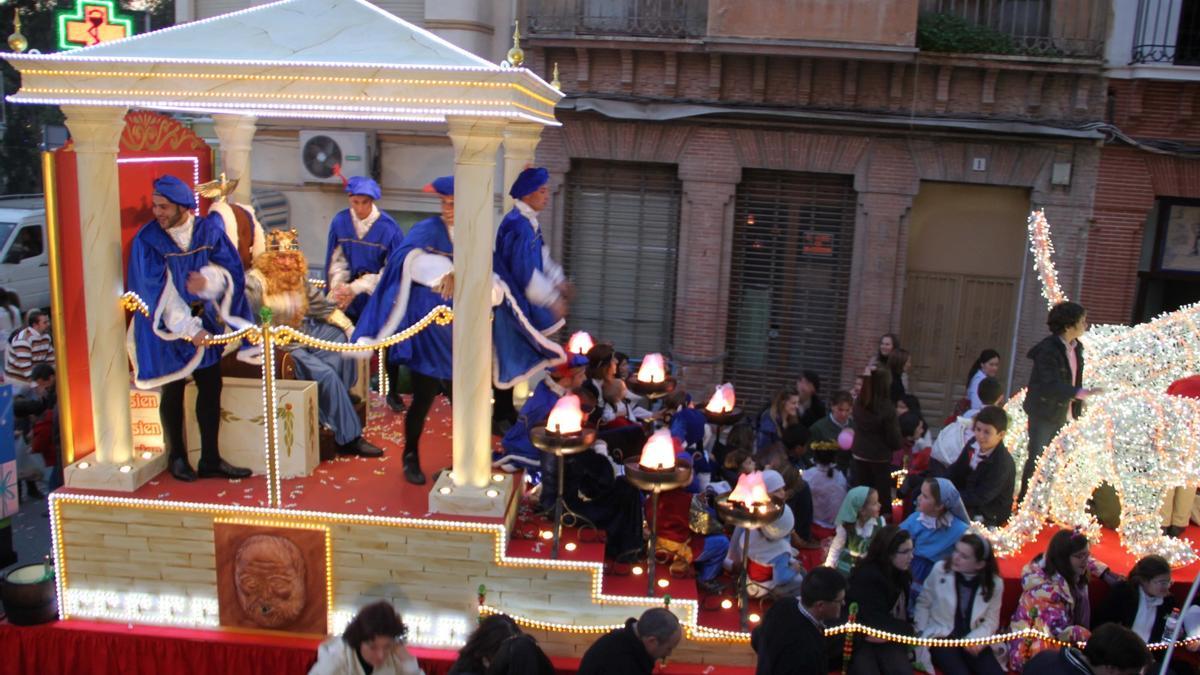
x: 792, y: 246
x: 620, y: 247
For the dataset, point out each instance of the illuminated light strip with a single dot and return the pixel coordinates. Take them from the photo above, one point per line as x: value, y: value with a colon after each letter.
x: 322, y: 79
x: 297, y: 97
x: 78, y: 57
x: 378, y: 109
x: 738, y: 638
x: 154, y: 160
x: 1042, y: 247
x: 448, y: 630
x: 60, y: 556
x: 289, y: 112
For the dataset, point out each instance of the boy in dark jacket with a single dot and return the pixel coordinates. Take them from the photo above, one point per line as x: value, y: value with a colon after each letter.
x: 1056, y: 390
x: 984, y: 473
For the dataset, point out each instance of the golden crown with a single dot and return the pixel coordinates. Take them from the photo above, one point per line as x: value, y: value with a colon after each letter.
x: 283, y: 240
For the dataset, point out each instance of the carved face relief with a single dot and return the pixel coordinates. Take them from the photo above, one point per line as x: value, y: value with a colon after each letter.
x: 269, y: 574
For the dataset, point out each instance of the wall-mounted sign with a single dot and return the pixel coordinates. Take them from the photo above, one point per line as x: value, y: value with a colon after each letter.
x: 91, y: 22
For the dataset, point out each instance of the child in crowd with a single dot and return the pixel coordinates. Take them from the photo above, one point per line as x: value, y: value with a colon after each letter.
x: 957, y: 434
x: 737, y: 462
x: 771, y: 567
x: 985, y: 473
x: 876, y: 436
x: 858, y: 520
x: 811, y: 408
x: 1142, y: 602
x: 828, y: 428
x: 938, y: 523
x: 880, y: 585
x: 828, y: 487
x: 690, y: 426
x: 689, y: 553
x: 618, y: 410
x: 1054, y: 596
x: 899, y: 363
x: 798, y: 496
x: 914, y: 453
x: 961, y: 601
x: 517, y: 450
x: 783, y: 413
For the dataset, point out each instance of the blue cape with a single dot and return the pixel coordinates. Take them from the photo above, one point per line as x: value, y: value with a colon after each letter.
x: 155, y: 261
x: 364, y: 256
x: 398, y: 302
x: 517, y: 254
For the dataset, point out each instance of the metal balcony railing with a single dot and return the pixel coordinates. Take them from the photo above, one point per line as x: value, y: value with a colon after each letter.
x: 1049, y: 28
x: 619, y: 18
x: 1167, y: 31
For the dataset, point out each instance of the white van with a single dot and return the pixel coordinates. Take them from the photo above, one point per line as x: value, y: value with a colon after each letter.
x: 24, y: 261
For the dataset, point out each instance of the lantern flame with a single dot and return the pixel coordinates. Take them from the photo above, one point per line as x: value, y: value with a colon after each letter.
x: 722, y: 399
x: 580, y: 343
x: 750, y: 490
x: 566, y: 417
x: 653, y: 369
x: 659, y: 452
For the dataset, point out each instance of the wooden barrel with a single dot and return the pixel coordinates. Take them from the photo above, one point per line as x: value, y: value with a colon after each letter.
x: 29, y: 595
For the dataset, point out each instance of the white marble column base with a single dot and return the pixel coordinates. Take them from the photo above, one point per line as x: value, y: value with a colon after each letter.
x: 108, y: 476
x: 465, y: 500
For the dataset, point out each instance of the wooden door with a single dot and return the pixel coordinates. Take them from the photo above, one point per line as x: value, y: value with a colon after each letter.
x: 947, y: 320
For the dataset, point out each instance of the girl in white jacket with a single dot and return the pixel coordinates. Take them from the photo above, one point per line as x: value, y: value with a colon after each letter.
x: 373, y: 643
x: 961, y: 600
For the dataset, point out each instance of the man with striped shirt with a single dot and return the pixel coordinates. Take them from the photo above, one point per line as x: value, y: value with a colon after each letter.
x: 28, y: 348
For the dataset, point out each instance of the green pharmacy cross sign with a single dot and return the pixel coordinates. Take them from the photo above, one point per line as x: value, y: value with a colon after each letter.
x: 91, y: 22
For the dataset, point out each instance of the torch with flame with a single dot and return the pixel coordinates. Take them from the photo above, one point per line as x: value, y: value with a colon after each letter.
x: 580, y: 343
x: 653, y: 369
x: 659, y: 452
x: 751, y: 491
x: 722, y: 399
x: 566, y: 417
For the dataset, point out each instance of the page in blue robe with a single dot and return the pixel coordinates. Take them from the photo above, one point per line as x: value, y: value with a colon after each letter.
x: 517, y: 450
x: 363, y: 256
x: 519, y: 350
x: 156, y: 262
x: 398, y: 303
x: 518, y: 253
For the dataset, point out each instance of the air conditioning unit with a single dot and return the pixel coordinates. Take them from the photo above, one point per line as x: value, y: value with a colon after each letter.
x: 321, y: 151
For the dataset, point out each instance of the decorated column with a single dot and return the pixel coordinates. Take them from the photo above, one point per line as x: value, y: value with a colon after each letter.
x: 236, y: 133
x: 520, y: 142
x: 475, y: 144
x: 96, y: 132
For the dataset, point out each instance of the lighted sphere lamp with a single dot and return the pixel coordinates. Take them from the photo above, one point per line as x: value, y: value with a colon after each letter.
x: 654, y: 472
x: 652, y: 380
x: 749, y: 507
x: 563, y: 434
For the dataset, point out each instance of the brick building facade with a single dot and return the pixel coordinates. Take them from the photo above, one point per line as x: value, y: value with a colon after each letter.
x: 887, y: 117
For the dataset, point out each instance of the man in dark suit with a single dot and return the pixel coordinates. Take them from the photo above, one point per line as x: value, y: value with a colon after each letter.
x: 791, y: 639
x: 1056, y: 390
